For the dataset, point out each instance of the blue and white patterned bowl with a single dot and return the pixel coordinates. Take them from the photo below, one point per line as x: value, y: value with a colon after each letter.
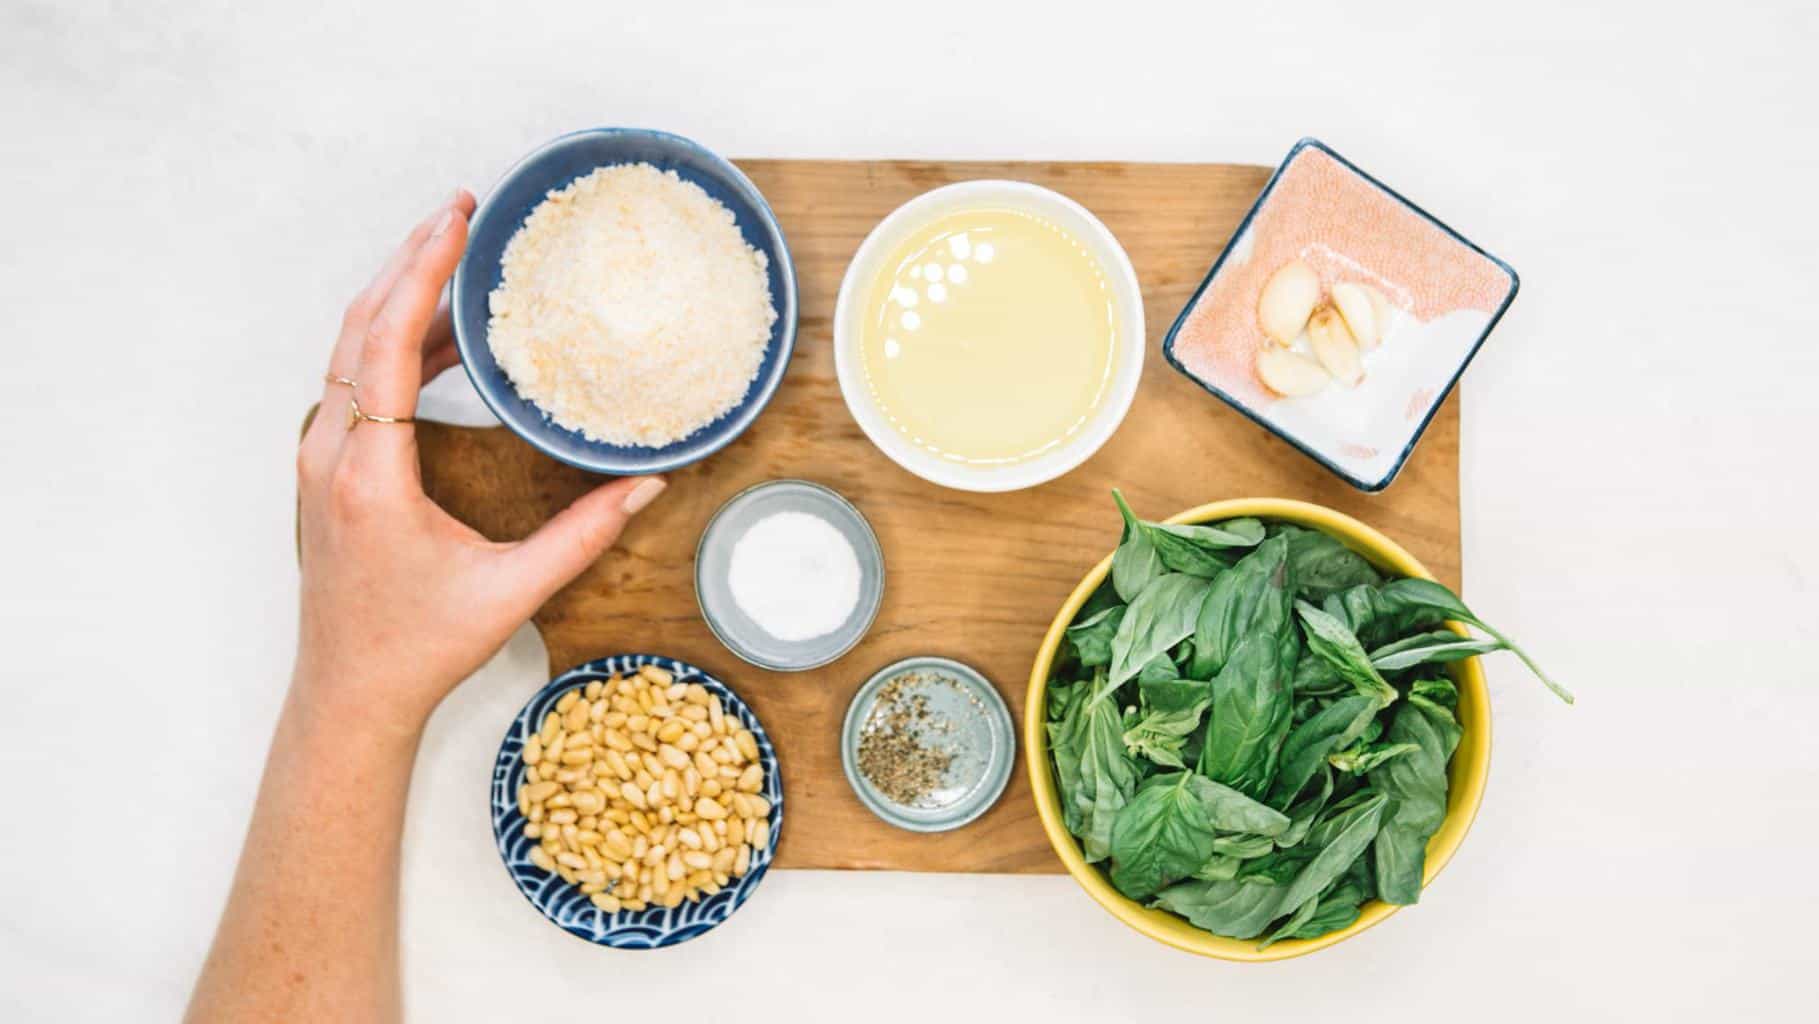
x: 562, y: 903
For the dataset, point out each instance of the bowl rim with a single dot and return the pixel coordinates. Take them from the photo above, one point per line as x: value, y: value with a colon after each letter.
x: 1015, y: 476
x: 1469, y: 776
x: 744, y: 888
x: 614, y: 464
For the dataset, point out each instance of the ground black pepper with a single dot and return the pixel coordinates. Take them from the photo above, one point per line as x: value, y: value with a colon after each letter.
x: 895, y: 752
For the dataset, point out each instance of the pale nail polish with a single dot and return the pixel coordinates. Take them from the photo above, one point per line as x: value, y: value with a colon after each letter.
x: 643, y: 495
x: 442, y: 223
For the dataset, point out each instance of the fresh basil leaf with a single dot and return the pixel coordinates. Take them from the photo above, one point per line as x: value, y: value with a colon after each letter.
x: 1219, y: 868
x: 1161, y: 836
x: 1416, y: 782
x: 1238, y: 909
x: 1094, y: 774
x: 1362, y: 757
x: 1250, y: 716
x: 1169, y: 712
x: 1295, y: 922
x: 1335, y: 644
x: 1162, y: 616
x: 1321, y: 565
x: 1203, y: 550
x: 1232, y: 811
x: 1243, y: 847
x: 1335, y: 908
x: 1309, y: 744
x: 1092, y: 636
x: 1303, y: 813
x: 1254, y: 596
x: 1441, y: 645
x: 1341, y: 841
x: 1439, y: 691
x: 1402, y: 606
x: 1135, y: 565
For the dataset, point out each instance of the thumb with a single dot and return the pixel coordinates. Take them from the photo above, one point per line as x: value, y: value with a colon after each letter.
x: 576, y: 537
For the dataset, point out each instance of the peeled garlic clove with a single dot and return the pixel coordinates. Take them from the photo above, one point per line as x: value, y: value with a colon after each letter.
x: 1288, y: 373
x: 1360, y: 314
x: 1383, y: 312
x: 1288, y: 297
x: 1334, y: 346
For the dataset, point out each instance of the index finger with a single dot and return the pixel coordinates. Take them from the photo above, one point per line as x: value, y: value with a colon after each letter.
x: 391, y: 360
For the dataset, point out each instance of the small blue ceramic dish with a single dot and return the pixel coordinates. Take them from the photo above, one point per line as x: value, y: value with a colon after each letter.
x: 564, y: 904
x: 498, y: 218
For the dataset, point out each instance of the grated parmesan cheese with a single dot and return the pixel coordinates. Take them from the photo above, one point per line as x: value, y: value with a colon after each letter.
x: 630, y: 309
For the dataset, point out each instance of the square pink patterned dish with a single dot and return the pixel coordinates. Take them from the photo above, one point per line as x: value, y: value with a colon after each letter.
x: 1442, y: 295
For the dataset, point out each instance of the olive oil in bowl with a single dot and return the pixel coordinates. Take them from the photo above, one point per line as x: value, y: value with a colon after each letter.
x: 988, y: 335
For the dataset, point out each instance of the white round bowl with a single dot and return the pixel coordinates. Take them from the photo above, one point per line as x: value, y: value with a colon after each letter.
x: 1128, y: 356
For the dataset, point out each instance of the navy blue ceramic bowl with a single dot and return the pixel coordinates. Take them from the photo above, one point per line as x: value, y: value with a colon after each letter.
x: 498, y: 218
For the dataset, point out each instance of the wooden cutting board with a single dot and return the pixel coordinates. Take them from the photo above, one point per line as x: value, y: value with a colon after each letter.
x: 976, y: 577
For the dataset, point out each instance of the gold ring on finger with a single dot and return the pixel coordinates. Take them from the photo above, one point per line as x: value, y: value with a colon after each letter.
x: 355, y: 416
x: 334, y: 378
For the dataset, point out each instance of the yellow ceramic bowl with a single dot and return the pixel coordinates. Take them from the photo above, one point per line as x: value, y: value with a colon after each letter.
x: 1469, y: 768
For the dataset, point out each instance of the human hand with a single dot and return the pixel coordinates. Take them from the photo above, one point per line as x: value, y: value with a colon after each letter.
x: 399, y: 600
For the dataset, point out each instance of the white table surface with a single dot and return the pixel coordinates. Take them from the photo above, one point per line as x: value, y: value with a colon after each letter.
x: 191, y: 194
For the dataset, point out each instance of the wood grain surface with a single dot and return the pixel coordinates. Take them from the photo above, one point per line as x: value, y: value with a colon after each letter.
x: 976, y: 577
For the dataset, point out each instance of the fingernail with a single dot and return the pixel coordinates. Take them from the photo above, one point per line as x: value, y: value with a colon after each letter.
x: 442, y: 223
x: 642, y: 495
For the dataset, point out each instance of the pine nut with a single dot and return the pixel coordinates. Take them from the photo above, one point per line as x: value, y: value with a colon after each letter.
x: 552, y: 725
x: 761, y: 808
x: 723, y: 860
x: 643, y: 741
x: 592, y: 690
x: 532, y: 774
x: 533, y: 750
x: 747, y: 744
x: 670, y: 732
x: 614, y: 720
x: 716, y: 718
x: 576, y: 718
x: 688, y: 741
x: 672, y: 757
x: 742, y: 861
x: 552, y: 747
x: 760, y: 835
x: 605, y: 901
x: 689, y: 838
x: 572, y: 860
x: 695, y: 713
x: 540, y: 857
x: 735, y: 832
x: 710, y: 788
x: 752, y: 779
x: 532, y: 830
x: 567, y: 701
x: 697, y: 860
x: 633, y: 795
x: 675, y: 692
x: 707, y: 808
x: 617, y: 845
x: 617, y: 740
x: 536, y: 812
x: 656, y: 675
x: 565, y: 816
x: 697, y: 694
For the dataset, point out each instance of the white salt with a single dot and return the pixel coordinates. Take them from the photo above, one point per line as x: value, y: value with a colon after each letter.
x: 795, y: 576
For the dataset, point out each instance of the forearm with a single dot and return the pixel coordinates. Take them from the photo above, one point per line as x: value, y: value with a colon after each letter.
x: 311, y: 927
